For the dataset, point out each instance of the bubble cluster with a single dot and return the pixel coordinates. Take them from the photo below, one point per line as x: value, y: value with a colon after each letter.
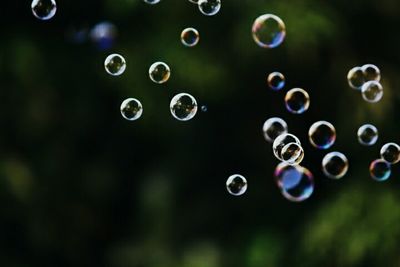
x: 367, y: 135
x: 294, y: 154
x: 379, y: 170
x: 390, y: 153
x: 152, y: 2
x: 273, y: 127
x: 131, y: 109
x: 335, y: 165
x: 44, y: 9
x: 295, y: 182
x: 190, y: 37
x: 372, y: 91
x: 103, y: 35
x: 268, y: 31
x: 183, y: 107
x: 276, y: 81
x: 322, y: 134
x: 357, y: 76
x: 236, y: 185
x: 297, y: 101
x: 209, y: 7
x: 115, y: 64
x: 159, y: 72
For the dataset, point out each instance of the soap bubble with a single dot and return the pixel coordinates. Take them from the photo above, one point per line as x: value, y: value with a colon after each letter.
x: 276, y: 81
x: 115, y: 64
x: 273, y: 127
x: 183, y: 107
x: 159, y: 72
x: 356, y: 78
x: 268, y: 31
x: 292, y: 153
x: 281, y: 141
x: 295, y: 182
x: 204, y: 108
x: 190, y: 37
x: 380, y: 170
x: 236, y: 185
x: 335, y: 165
x: 209, y: 7
x: 152, y: 2
x: 371, y: 72
x: 131, y: 109
x: 297, y: 101
x: 372, y: 91
x: 367, y: 135
x: 322, y: 134
x: 103, y: 35
x: 390, y: 152
x: 44, y: 9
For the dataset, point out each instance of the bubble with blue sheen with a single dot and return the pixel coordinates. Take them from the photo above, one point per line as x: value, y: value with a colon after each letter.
x: 236, y: 185
x: 372, y: 91
x: 268, y: 31
x: 380, y: 170
x: 297, y: 101
x: 335, y: 165
x: 390, y: 152
x: 273, y: 127
x: 367, y: 135
x: 322, y: 134
x: 281, y: 141
x: 103, y: 35
x: 44, y: 9
x: 209, y: 7
x: 276, y: 81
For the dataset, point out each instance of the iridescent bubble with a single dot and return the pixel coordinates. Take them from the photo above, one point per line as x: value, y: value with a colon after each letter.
x: 115, y: 64
x: 322, y: 134
x: 335, y: 165
x: 371, y: 72
x: 297, y: 101
x: 44, y: 9
x: 268, y: 31
x: 380, y: 170
x: 131, y: 109
x: 292, y: 153
x: 276, y: 81
x: 281, y: 141
x: 152, y: 2
x: 356, y: 78
x: 183, y: 107
x: 372, y: 91
x: 273, y: 127
x: 236, y: 185
x: 159, y: 72
x: 390, y: 152
x: 190, y: 37
x: 367, y: 135
x: 103, y: 35
x: 209, y: 7
x: 295, y: 182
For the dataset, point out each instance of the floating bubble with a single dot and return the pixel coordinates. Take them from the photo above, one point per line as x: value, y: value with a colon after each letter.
x: 115, y: 64
x: 209, y: 7
x: 297, y: 101
x: 371, y: 72
x: 380, y: 170
x: 268, y: 31
x: 292, y: 153
x: 372, y: 91
x: 295, y: 182
x: 356, y: 78
x: 390, y: 152
x: 273, y: 127
x: 159, y: 72
x: 281, y: 141
x: 204, y: 108
x: 322, y: 134
x: 190, y: 37
x: 44, y: 9
x: 276, y: 81
x: 335, y: 165
x: 131, y: 109
x: 152, y: 2
x: 236, y: 185
x: 103, y: 35
x: 367, y: 135
x: 183, y: 107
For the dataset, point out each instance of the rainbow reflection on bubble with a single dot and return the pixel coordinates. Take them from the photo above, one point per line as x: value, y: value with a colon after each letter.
x: 380, y: 170
x: 276, y: 81
x: 268, y: 31
x: 322, y: 134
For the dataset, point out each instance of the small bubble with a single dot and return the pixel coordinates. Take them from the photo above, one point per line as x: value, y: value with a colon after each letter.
x: 297, y: 101
x: 273, y: 127
x: 367, y: 135
x: 322, y: 134
x: 390, y: 152
x: 236, y: 185
x: 103, y: 35
x: 356, y: 78
x: 281, y: 141
x: 335, y: 165
x: 371, y: 72
x: 159, y: 72
x: 44, y: 9
x: 372, y: 91
x: 183, y: 107
x: 115, y: 64
x: 292, y: 153
x: 152, y: 2
x: 204, y: 108
x: 276, y: 81
x: 268, y: 31
x: 190, y: 37
x: 131, y: 109
x: 380, y: 170
x: 209, y: 7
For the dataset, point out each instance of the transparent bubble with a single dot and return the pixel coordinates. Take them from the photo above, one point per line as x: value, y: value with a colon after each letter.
x: 190, y: 37
x: 335, y: 165
x: 356, y: 78
x: 295, y: 182
x: 281, y: 141
x: 44, y: 9
x: 390, y: 152
x: 372, y: 91
x: 367, y: 135
x: 103, y: 35
x: 380, y: 170
x: 236, y: 185
x: 183, y: 107
x: 273, y: 127
x: 276, y: 81
x: 268, y: 31
x: 297, y: 101
x: 159, y: 72
x: 292, y: 153
x: 209, y: 7
x: 152, y: 2
x: 371, y: 72
x: 131, y: 109
x: 322, y: 134
x: 115, y: 64
x: 204, y: 108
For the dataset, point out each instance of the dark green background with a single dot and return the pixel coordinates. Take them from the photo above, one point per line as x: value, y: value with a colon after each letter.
x: 80, y: 186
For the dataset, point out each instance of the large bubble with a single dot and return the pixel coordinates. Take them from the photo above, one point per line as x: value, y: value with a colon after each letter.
x: 322, y: 134
x: 335, y: 165
x: 273, y: 127
x: 131, y: 109
x: 297, y: 101
x: 268, y: 31
x: 183, y: 107
x: 380, y: 170
x: 115, y: 64
x: 390, y: 152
